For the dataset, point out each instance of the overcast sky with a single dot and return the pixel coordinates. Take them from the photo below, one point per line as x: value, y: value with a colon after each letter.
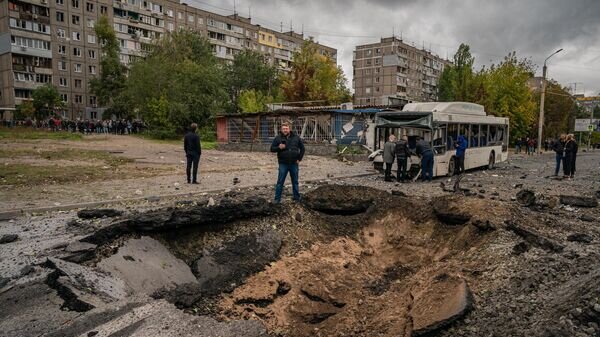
x: 532, y: 28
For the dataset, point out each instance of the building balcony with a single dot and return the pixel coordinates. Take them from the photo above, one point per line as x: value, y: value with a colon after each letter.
x: 31, y: 51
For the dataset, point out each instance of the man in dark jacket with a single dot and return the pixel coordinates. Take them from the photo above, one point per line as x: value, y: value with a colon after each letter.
x: 402, y: 154
x: 193, y: 150
x: 389, y: 149
x: 290, y: 151
x: 558, y: 146
x: 423, y: 149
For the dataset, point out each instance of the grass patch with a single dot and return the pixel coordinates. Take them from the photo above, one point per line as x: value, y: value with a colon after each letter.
x: 67, y: 154
x: 23, y: 174
x: 31, y: 134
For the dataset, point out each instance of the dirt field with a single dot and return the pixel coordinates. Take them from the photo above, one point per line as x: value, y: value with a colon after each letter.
x: 511, y: 252
x: 40, y: 173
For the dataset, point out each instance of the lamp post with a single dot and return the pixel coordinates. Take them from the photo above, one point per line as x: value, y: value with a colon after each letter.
x: 541, y: 120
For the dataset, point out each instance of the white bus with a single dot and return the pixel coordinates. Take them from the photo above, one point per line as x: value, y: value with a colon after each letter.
x: 441, y: 124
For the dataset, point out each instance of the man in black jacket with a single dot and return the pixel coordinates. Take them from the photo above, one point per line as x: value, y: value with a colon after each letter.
x: 402, y: 154
x: 191, y: 146
x: 290, y: 151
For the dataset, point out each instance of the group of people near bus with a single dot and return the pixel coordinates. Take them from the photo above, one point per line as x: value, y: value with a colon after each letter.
x: 87, y: 126
x: 566, y: 153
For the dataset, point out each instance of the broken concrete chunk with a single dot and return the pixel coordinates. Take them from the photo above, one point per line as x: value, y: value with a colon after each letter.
x: 8, y: 238
x: 534, y: 238
x: 146, y: 266
x: 578, y: 201
x: 526, y: 197
x: 580, y: 237
x: 83, y: 288
x: 79, y: 252
x: 98, y: 213
x: 521, y: 247
x: 78, y: 246
x: 441, y: 302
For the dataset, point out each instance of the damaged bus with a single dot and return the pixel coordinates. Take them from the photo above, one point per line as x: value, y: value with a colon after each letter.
x: 441, y: 124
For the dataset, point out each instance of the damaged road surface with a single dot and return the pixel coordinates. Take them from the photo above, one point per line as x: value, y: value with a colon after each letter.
x: 348, y: 261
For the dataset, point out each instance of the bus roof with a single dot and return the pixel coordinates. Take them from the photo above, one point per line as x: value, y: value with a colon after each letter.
x: 462, y: 108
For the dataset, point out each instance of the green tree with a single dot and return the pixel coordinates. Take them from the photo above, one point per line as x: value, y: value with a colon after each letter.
x: 314, y: 77
x: 596, y: 111
x: 253, y: 101
x: 45, y: 99
x: 456, y: 81
x: 250, y: 72
x: 559, y: 109
x: 25, y: 110
x: 111, y: 82
x: 181, y: 69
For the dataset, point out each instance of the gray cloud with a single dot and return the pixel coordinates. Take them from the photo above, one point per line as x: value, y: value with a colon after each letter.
x: 533, y: 28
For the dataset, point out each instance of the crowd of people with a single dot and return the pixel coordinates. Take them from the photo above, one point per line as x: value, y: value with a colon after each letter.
x: 400, y: 151
x: 87, y: 126
x: 527, y: 145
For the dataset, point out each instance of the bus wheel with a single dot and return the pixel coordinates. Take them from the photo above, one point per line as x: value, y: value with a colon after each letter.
x: 452, y: 167
x: 491, y: 161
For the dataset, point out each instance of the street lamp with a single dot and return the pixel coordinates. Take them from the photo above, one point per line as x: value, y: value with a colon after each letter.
x: 541, y: 121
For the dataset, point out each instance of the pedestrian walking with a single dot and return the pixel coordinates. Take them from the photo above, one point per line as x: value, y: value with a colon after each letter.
x: 570, y: 159
x: 389, y: 149
x: 530, y: 146
x: 423, y: 149
x: 402, y: 155
x: 558, y: 146
x: 290, y: 152
x: 461, y: 149
x: 518, y: 146
x: 193, y: 150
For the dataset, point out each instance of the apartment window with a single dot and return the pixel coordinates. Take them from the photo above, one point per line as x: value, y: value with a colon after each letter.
x: 89, y: 7
x: 75, y: 19
x: 170, y: 12
x: 78, y: 99
x: 60, y: 33
x: 191, y: 18
x: 75, y: 3
x: 369, y: 62
x: 367, y: 90
x: 377, y: 70
x: 64, y: 97
x: 377, y: 61
x: 92, y: 70
x: 369, y: 52
x: 60, y: 16
x: 62, y: 65
x: 200, y: 21
x: 78, y: 83
x: 170, y: 26
x: 92, y: 54
x: 378, y: 51
x: 77, y: 52
x: 60, y: 2
x: 92, y: 100
x: 376, y: 79
x: 62, y: 50
x: 62, y: 82
x: 367, y: 71
x: 103, y: 10
x: 91, y: 23
x: 376, y: 89
x: 179, y: 15
x: 91, y: 38
x: 77, y: 67
x: 76, y: 36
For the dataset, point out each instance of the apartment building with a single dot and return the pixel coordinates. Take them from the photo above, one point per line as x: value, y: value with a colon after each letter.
x: 53, y: 41
x: 391, y: 69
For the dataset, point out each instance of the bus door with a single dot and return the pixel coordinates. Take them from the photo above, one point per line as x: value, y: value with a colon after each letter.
x: 439, y: 146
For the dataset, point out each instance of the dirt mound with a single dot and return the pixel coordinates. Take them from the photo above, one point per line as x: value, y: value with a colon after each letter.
x: 342, y: 199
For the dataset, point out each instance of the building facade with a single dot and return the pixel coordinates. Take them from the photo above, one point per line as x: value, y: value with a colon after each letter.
x: 53, y: 41
x: 389, y: 70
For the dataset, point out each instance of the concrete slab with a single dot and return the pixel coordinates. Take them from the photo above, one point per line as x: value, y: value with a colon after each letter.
x: 147, y: 266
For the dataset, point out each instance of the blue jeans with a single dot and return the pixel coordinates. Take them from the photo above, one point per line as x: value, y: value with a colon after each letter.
x: 283, y: 171
x: 427, y: 166
x: 559, y: 159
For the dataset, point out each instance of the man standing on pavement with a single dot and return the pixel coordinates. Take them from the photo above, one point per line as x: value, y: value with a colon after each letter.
x: 388, y: 156
x: 290, y: 151
x: 402, y: 155
x: 558, y: 146
x: 461, y: 148
x: 423, y: 149
x: 191, y: 146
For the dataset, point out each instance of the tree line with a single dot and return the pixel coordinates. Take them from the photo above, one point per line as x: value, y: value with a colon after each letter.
x: 179, y: 81
x: 504, y: 91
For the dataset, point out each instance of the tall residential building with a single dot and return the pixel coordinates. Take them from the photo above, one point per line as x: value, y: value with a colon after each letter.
x: 53, y: 41
x: 391, y: 69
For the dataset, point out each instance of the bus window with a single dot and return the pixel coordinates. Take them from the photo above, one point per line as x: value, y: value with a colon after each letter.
x: 474, y: 135
x: 439, y: 136
x: 464, y: 131
x: 500, y: 135
x: 483, y: 135
x: 452, y: 136
x: 492, y: 136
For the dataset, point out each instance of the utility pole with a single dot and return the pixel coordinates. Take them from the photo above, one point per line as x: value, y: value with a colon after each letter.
x: 541, y: 119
